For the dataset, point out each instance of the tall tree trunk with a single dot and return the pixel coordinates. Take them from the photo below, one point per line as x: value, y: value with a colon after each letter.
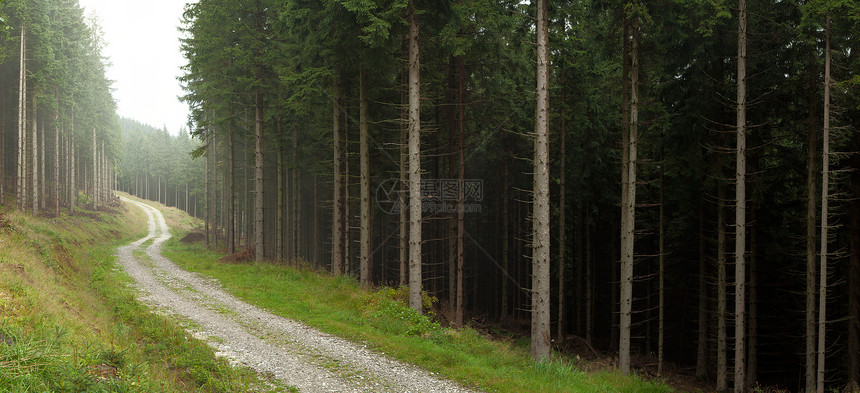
x: 346, y: 200
x: 337, y: 187
x: 589, y: 279
x: 629, y: 219
x: 752, y: 323
x: 279, y: 249
x: 461, y: 193
x: 505, y: 237
x: 562, y: 219
x: 22, y: 119
x: 825, y: 188
x: 206, y: 194
x: 364, y: 159
x: 740, y: 204
x: 231, y: 193
x: 73, y: 191
x: 540, y: 337
x: 854, y: 289
x: 95, y: 176
x: 35, y: 156
x: 662, y: 269
x: 811, y: 218
x: 415, y: 277
x: 297, y: 198
x: 42, y: 176
x: 702, y: 341
x: 722, y: 367
x: 260, y: 251
x: 56, y: 161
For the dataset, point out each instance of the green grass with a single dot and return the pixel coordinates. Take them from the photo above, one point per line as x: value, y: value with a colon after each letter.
x: 67, y: 309
x: 381, y: 319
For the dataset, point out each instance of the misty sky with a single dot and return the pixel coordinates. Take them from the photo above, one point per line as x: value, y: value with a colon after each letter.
x: 143, y: 47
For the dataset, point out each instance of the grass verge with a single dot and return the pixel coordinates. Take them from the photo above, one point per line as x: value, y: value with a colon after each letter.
x: 381, y: 319
x: 69, y: 321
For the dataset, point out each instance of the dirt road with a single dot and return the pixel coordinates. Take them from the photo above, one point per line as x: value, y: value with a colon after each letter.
x: 298, y: 355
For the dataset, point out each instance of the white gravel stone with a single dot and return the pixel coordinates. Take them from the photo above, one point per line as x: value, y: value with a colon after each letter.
x: 296, y: 354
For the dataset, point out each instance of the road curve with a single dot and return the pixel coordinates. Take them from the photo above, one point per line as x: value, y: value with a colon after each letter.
x: 296, y: 354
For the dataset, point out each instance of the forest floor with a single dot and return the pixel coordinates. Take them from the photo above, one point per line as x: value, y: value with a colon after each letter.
x: 294, y: 353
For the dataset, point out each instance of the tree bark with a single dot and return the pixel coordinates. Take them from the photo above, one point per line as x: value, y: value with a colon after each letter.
x: 702, y: 344
x: 35, y: 164
x: 505, y: 236
x: 56, y: 160
x: 752, y: 320
x: 461, y: 194
x: 231, y: 194
x: 337, y: 187
x: 825, y: 185
x: 364, y: 158
x: 297, y: 198
x: 562, y: 219
x: 740, y: 205
x: 540, y: 335
x: 206, y: 194
x: 73, y: 191
x: 629, y: 219
x: 279, y: 249
x: 722, y: 367
x: 811, y: 218
x: 259, y: 250
x: 661, y: 286
x: 22, y: 120
x: 42, y: 176
x: 415, y: 277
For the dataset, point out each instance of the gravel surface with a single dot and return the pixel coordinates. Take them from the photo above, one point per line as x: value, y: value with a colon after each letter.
x: 296, y: 354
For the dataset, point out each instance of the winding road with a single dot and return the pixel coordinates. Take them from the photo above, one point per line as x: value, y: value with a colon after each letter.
x: 296, y: 354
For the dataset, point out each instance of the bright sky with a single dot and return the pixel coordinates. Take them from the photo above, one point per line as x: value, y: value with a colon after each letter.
x: 143, y: 47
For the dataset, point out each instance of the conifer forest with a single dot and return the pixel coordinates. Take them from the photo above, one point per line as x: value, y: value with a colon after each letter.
x: 672, y: 183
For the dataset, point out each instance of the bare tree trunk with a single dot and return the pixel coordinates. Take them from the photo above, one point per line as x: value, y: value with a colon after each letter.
x: 415, y: 277
x: 540, y: 337
x: 56, y: 160
x: 628, y: 232
x: 854, y: 290
x: 722, y: 367
x: 337, y: 202
x: 259, y: 249
x: 461, y: 195
x: 364, y: 159
x: 279, y: 249
x: 206, y: 195
x: 740, y: 205
x: 231, y: 192
x: 297, y: 197
x: 702, y: 348
x: 662, y: 269
x: 811, y: 217
x: 42, y: 176
x: 505, y: 237
x: 22, y: 120
x: 35, y: 156
x: 95, y: 171
x: 73, y: 191
x: 752, y: 350
x: 825, y: 188
x: 562, y: 219
x: 589, y: 280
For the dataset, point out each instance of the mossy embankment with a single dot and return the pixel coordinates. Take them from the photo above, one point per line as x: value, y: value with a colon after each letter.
x: 70, y: 321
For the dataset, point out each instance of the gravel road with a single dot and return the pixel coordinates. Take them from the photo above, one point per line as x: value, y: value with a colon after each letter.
x: 296, y: 354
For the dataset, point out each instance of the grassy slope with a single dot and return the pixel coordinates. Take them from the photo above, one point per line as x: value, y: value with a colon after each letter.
x: 380, y: 319
x: 65, y: 309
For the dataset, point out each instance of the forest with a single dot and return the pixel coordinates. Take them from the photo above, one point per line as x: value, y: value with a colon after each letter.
x: 672, y: 183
